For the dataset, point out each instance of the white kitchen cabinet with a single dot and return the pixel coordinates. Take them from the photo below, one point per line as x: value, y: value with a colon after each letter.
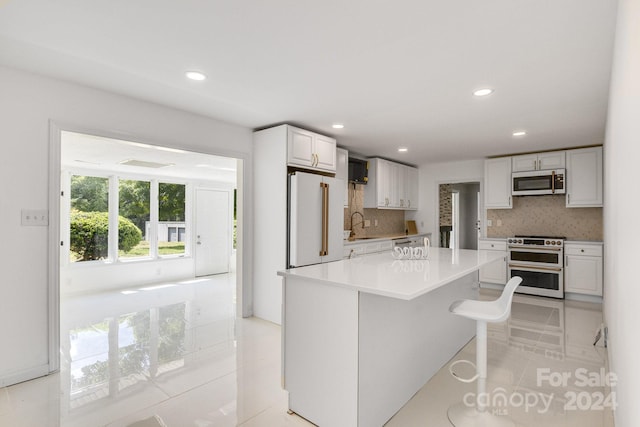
x: 275, y: 150
x: 352, y: 250
x: 310, y: 150
x: 583, y: 268
x: 391, y: 186
x: 412, y: 188
x: 497, y: 183
x: 584, y: 177
x: 342, y: 172
x: 495, y: 272
x: 538, y: 161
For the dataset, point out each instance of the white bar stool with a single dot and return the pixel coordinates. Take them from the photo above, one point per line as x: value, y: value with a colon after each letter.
x: 462, y: 415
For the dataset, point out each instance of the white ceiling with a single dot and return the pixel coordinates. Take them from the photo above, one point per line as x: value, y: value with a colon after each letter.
x: 87, y: 153
x: 396, y: 73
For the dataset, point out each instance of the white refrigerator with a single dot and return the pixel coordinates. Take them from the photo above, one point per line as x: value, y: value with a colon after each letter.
x: 315, y: 219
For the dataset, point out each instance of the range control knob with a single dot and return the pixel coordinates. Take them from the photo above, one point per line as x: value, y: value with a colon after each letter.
x: 546, y: 242
x: 553, y: 242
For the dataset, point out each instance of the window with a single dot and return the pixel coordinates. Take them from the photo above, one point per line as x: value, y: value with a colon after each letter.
x: 89, y: 218
x: 134, y: 207
x: 150, y: 221
x: 171, y: 219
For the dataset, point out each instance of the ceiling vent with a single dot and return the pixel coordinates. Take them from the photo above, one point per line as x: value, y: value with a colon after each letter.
x: 143, y: 164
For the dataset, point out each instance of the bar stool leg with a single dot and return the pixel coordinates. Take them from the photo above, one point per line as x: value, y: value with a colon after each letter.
x: 481, y: 365
x: 461, y: 415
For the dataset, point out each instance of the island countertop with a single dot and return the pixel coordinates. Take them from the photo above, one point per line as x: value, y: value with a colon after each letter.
x: 381, y: 274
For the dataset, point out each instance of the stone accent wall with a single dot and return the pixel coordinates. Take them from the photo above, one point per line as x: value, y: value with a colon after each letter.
x: 390, y: 222
x: 546, y: 216
x: 445, y: 205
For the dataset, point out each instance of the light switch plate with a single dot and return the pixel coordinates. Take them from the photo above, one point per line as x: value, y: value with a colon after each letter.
x: 32, y: 217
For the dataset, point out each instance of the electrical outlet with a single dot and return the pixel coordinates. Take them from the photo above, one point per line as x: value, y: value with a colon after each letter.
x: 489, y: 223
x: 32, y: 217
x: 375, y: 222
x: 499, y: 223
x: 367, y: 223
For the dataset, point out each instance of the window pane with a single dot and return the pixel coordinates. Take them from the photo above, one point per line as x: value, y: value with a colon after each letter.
x: 89, y: 225
x: 171, y: 216
x: 133, y: 222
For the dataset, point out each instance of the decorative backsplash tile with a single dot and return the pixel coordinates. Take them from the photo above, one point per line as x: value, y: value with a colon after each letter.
x: 546, y: 215
x: 390, y: 222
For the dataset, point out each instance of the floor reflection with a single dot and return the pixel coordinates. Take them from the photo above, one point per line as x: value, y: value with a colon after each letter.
x: 175, y: 353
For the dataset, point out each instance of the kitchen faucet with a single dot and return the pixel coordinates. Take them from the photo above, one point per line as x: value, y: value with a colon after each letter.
x: 352, y: 234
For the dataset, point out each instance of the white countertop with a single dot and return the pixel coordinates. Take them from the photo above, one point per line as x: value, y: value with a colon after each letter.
x: 381, y: 274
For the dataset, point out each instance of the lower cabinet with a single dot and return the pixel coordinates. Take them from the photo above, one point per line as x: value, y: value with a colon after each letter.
x: 352, y: 250
x: 583, y: 268
x: 497, y: 271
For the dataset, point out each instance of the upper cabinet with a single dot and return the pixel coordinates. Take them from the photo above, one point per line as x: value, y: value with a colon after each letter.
x: 497, y: 183
x: 539, y: 161
x: 391, y: 186
x: 310, y: 150
x: 342, y: 172
x: 584, y: 177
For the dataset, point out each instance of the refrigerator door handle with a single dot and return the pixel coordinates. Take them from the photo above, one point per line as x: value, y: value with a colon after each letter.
x: 325, y: 219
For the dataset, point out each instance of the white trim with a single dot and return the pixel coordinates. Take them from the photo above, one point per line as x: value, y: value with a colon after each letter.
x: 53, y: 277
x: 27, y: 374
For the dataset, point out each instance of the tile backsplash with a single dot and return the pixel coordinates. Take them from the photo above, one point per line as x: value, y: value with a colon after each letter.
x: 390, y: 222
x: 548, y: 216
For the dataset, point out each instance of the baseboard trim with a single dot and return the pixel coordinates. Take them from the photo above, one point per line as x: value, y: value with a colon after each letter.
x: 24, y: 375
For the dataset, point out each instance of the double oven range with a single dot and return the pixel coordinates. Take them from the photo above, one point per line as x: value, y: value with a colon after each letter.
x: 539, y: 261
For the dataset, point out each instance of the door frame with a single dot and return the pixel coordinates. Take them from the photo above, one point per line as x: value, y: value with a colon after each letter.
x: 244, y: 252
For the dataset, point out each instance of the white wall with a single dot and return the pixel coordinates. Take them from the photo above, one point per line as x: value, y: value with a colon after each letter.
x: 621, y: 207
x: 431, y: 176
x: 27, y: 105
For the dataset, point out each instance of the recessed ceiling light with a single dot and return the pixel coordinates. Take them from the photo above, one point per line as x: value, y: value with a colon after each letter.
x: 337, y: 126
x: 482, y: 92
x: 195, y: 75
x: 403, y: 149
x: 519, y: 133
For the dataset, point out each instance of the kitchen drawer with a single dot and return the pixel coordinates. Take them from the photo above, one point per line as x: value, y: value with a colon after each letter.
x: 492, y: 245
x: 372, y: 248
x: 582, y: 249
x: 387, y: 245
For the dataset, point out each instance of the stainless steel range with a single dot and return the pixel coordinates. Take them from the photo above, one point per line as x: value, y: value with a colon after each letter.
x: 539, y: 261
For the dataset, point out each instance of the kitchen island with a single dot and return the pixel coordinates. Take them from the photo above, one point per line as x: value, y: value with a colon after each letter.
x: 361, y: 336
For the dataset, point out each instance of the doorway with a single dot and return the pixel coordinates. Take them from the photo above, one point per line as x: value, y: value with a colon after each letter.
x: 158, y: 186
x: 459, y: 215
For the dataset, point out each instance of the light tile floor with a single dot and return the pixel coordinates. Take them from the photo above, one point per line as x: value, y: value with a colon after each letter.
x: 176, y: 354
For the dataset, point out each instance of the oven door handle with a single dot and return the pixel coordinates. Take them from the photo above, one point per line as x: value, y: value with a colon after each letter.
x: 529, y: 267
x: 534, y: 249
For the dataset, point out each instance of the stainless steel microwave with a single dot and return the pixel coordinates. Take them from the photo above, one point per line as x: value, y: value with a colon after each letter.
x: 536, y: 183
